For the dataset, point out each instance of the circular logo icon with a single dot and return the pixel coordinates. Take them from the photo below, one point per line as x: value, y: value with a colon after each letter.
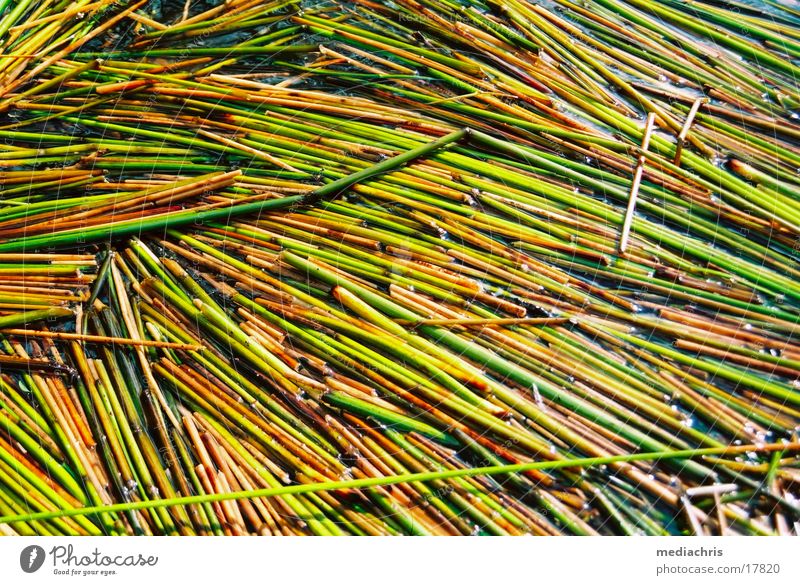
x: 31, y: 558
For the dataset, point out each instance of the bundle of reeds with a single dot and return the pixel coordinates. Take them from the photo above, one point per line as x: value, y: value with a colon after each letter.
x: 419, y: 267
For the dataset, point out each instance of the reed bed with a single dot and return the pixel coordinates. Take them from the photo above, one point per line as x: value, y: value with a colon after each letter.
x: 420, y: 267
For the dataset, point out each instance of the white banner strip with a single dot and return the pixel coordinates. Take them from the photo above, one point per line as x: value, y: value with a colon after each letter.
x: 386, y: 561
